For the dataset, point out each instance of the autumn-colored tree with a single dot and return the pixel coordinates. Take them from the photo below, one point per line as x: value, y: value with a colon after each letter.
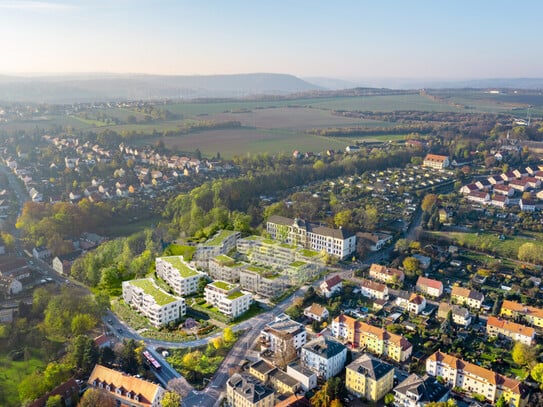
x: 411, y: 265
x: 228, y: 335
x: 94, y: 397
x: 171, y: 399
x: 537, y: 373
x: 522, y: 354
x: 428, y: 202
x: 343, y: 218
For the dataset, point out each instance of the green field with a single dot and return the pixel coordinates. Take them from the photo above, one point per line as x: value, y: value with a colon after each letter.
x: 11, y: 374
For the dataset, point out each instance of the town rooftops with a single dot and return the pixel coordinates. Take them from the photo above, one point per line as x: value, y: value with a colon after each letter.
x: 332, y: 282
x: 467, y: 293
x: 311, y: 227
x: 283, y: 325
x: 373, y: 285
x: 370, y: 366
x: 426, y: 389
x: 324, y: 347
x: 522, y: 309
x: 512, y: 327
x: 250, y: 388
x: 428, y: 282
x: 436, y: 158
x: 263, y: 367
x: 179, y: 264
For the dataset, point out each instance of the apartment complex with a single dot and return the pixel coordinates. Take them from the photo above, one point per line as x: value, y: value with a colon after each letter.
x: 225, y: 268
x: 496, y: 327
x: 369, y: 377
x: 181, y: 276
x: 324, y: 356
x: 436, y: 161
x: 465, y: 296
x: 125, y: 389
x: 262, y: 281
x: 228, y: 298
x: 247, y: 391
x: 221, y: 243
x: 474, y: 379
x: 337, y: 242
x: 283, y: 333
x: 531, y: 315
x: 152, y: 302
x: 375, y: 340
x: 274, y: 377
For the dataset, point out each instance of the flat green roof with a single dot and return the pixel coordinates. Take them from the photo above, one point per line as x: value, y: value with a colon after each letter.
x: 184, y: 270
x: 223, y: 285
x: 161, y: 297
x: 297, y: 264
x: 224, y: 260
x: 235, y: 295
x: 309, y: 253
x: 219, y: 237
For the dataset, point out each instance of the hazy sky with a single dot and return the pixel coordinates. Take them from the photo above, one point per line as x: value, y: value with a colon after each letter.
x: 343, y: 39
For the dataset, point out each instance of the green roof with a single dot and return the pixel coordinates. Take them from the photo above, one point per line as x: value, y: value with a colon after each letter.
x: 256, y: 269
x: 223, y: 285
x: 298, y: 264
x: 264, y: 272
x: 309, y: 253
x: 253, y: 237
x: 269, y: 241
x: 161, y: 297
x: 235, y: 295
x: 184, y: 270
x: 219, y: 237
x: 225, y: 260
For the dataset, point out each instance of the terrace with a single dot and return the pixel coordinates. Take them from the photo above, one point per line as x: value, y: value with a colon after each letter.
x: 161, y: 298
x: 184, y: 270
x: 235, y: 295
x: 222, y: 285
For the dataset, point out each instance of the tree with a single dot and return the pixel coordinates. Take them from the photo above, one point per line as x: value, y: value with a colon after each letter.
x: 82, y: 323
x: 336, y: 403
x: 83, y: 353
x: 343, y: 218
x: 537, y: 373
x: 522, y: 354
x: 401, y: 245
x: 389, y: 399
x: 171, y: 399
x: 285, y: 352
x: 501, y: 402
x: 94, y: 397
x: 31, y: 387
x: 411, y: 265
x: 428, y: 202
x: 55, y: 401
x: 228, y: 335
x: 128, y: 357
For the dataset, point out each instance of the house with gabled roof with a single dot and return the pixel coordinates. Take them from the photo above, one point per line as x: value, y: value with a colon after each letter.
x: 316, y: 312
x: 386, y: 274
x: 436, y: 161
x: 433, y: 288
x: 373, y: 289
x: 331, y: 286
x: 498, y: 327
x: 417, y: 391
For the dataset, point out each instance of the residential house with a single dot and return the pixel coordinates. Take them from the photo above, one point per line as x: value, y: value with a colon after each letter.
x: 508, y: 176
x: 68, y: 392
x: 474, y: 379
x: 468, y: 189
x: 497, y: 327
x: 274, y: 377
x: 155, y: 304
x: 331, y: 286
x: 495, y: 180
x: 386, y: 274
x: 375, y: 340
x: 436, y: 161
x: 10, y: 286
x: 306, y: 377
x: 416, y: 304
x: 337, y: 242
x: 228, y: 298
x: 375, y: 241
x: 373, y: 289
x: 283, y: 334
x: 125, y: 389
x: 433, y: 288
x: 481, y: 197
x: 181, y: 276
x: 369, y: 378
x: 316, y: 312
x: 467, y: 297
x: 519, y: 184
x: 527, y: 205
x: 500, y: 201
x: 417, y: 391
x: 41, y: 253
x: 247, y: 391
x: 14, y: 267
x: 515, y: 310
x: 325, y: 356
x: 63, y: 264
x: 460, y: 315
x: 424, y: 261
x: 483, y: 184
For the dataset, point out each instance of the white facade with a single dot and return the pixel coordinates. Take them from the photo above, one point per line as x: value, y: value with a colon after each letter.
x: 306, y: 377
x: 283, y: 329
x: 155, y: 304
x: 324, y: 356
x: 228, y: 299
x: 182, y: 277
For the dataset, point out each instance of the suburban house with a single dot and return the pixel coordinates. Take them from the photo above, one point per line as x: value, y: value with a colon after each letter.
x: 416, y: 303
x: 369, y: 378
x: 373, y: 289
x: 155, y: 304
x: 418, y: 391
x: 500, y: 201
x: 41, y: 253
x: 331, y: 286
x: 433, y: 288
x: 337, y: 242
x: 501, y: 189
x: 468, y: 189
x: 436, y: 161
x: 68, y: 391
x: 325, y: 356
x: 125, y: 389
x: 228, y: 298
x: 474, y: 379
x: 531, y: 315
x: 386, y: 274
x: 245, y: 390
x: 373, y: 240
x: 316, y: 312
x: 481, y: 197
x: 497, y: 327
x: 527, y: 205
x: 376, y: 340
x: 467, y: 297
x: 460, y: 315
x: 63, y: 264
x: 181, y: 276
x: 10, y: 286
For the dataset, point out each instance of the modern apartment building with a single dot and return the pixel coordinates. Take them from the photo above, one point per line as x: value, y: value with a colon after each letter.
x: 225, y: 268
x: 369, y: 377
x: 181, y: 276
x: 436, y: 161
x: 221, y: 243
x: 474, y: 379
x: 283, y: 333
x: 262, y: 280
x: 152, y: 302
x: 325, y: 356
x: 337, y: 242
x: 228, y: 298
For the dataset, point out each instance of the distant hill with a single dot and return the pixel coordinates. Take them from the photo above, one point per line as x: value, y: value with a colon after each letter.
x: 331, y: 83
x: 103, y: 87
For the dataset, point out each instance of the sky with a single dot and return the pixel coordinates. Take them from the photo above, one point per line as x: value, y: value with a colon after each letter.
x: 353, y: 40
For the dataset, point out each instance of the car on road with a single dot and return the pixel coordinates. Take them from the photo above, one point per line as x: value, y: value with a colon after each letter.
x: 120, y: 330
x: 109, y: 320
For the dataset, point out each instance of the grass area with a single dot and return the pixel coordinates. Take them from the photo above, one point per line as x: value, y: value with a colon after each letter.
x: 184, y: 270
x: 180, y: 250
x: 219, y: 237
x: 223, y: 285
x: 297, y: 264
x: 160, y: 297
x: 13, y: 372
x: 90, y: 122
x: 126, y: 229
x: 235, y: 295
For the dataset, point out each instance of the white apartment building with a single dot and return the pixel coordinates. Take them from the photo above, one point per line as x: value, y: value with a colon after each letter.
x: 262, y: 281
x: 282, y: 333
x: 228, y: 298
x: 181, y: 276
x: 325, y: 356
x: 152, y: 302
x: 225, y: 268
x: 221, y: 243
x: 337, y: 242
x: 496, y: 327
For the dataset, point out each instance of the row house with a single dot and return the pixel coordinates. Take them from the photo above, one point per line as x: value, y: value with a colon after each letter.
x: 375, y: 340
x: 499, y: 201
x: 481, y: 197
x: 373, y: 289
x: 468, y: 189
x: 515, y: 310
x: 460, y: 315
x: 467, y: 297
x: 497, y: 327
x: 495, y: 180
x: 474, y: 379
x: 431, y: 287
x: 386, y: 274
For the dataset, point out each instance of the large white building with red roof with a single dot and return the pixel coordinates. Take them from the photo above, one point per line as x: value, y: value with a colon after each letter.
x: 436, y: 161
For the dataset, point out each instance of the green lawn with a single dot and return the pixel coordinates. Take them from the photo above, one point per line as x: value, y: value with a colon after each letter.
x: 11, y: 374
